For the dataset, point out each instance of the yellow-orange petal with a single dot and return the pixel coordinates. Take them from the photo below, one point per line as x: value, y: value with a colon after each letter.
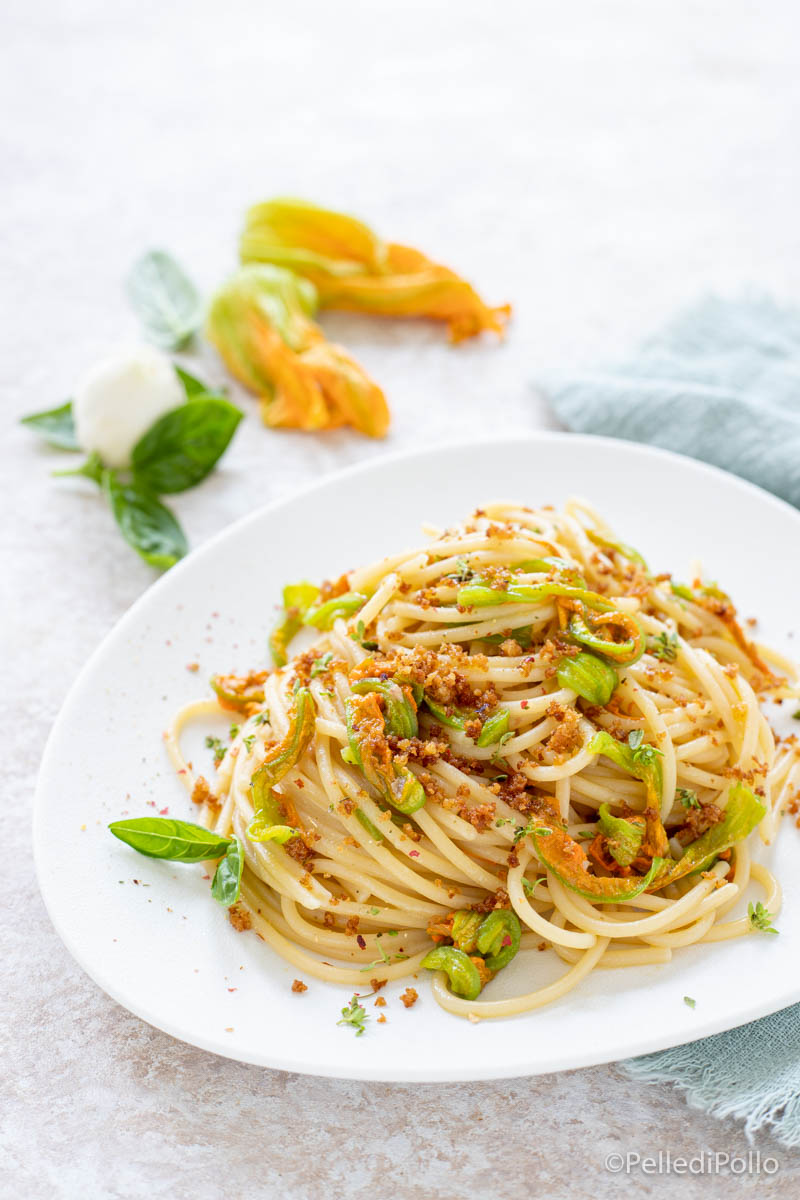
x: 351, y: 395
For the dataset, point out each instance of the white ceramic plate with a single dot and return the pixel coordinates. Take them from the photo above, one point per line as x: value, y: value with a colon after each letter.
x: 148, y: 932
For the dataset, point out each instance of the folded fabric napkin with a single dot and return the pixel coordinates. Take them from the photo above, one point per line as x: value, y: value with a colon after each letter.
x: 720, y: 383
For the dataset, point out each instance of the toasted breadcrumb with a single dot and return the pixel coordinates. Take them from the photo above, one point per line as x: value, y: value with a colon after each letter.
x: 201, y: 792
x: 410, y: 997
x: 239, y: 918
x: 299, y: 986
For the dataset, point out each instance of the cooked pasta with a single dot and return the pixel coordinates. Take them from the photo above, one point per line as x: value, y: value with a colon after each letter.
x: 515, y: 736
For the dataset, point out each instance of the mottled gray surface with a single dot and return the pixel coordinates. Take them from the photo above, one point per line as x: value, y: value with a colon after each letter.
x: 598, y: 164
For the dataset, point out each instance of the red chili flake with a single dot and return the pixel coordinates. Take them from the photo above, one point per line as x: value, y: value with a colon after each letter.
x: 506, y: 941
x: 182, y: 771
x: 233, y: 989
x: 523, y: 704
x: 162, y: 812
x: 413, y: 854
x: 361, y: 942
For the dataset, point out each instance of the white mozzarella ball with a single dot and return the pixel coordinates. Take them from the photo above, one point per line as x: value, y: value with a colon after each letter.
x: 120, y: 398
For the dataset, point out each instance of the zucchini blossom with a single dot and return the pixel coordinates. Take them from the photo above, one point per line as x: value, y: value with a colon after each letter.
x: 260, y: 321
x: 352, y: 268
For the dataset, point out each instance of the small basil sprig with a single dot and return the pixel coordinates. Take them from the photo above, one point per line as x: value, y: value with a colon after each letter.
x: 175, y: 453
x: 165, y: 300
x: 56, y: 425
x: 182, y: 841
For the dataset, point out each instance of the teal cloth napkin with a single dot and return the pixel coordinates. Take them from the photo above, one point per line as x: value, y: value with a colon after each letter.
x: 721, y: 383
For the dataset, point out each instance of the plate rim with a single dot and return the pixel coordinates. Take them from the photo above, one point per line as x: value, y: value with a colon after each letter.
x: 364, y: 1071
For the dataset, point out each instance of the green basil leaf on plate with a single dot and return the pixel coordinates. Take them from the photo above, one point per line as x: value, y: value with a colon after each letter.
x: 56, y: 426
x: 145, y: 523
x: 165, y: 300
x: 183, y: 446
x: 163, y: 837
x: 227, y: 882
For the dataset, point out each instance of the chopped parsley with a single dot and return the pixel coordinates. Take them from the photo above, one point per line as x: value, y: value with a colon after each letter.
x: 687, y: 798
x: 665, y: 646
x: 262, y: 718
x: 321, y: 665
x: 355, y: 1015
x: 528, y: 887
x: 215, y: 745
x: 463, y: 573
x: 357, y: 635
x: 643, y: 752
x: 233, y: 731
x: 760, y: 918
x: 524, y: 830
x: 248, y: 741
x: 496, y: 756
x: 378, y: 962
x: 521, y: 831
x: 689, y: 1001
x: 384, y: 958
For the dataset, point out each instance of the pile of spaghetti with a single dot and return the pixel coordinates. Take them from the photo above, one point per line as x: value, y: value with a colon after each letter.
x: 514, y: 737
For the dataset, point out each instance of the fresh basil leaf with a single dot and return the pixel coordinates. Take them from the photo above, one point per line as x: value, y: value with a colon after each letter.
x: 163, y: 837
x: 165, y: 299
x: 56, y: 425
x: 145, y: 523
x: 191, y: 385
x: 227, y: 882
x: 182, y: 446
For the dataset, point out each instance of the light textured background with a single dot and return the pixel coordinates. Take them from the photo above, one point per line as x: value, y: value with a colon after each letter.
x: 598, y: 165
